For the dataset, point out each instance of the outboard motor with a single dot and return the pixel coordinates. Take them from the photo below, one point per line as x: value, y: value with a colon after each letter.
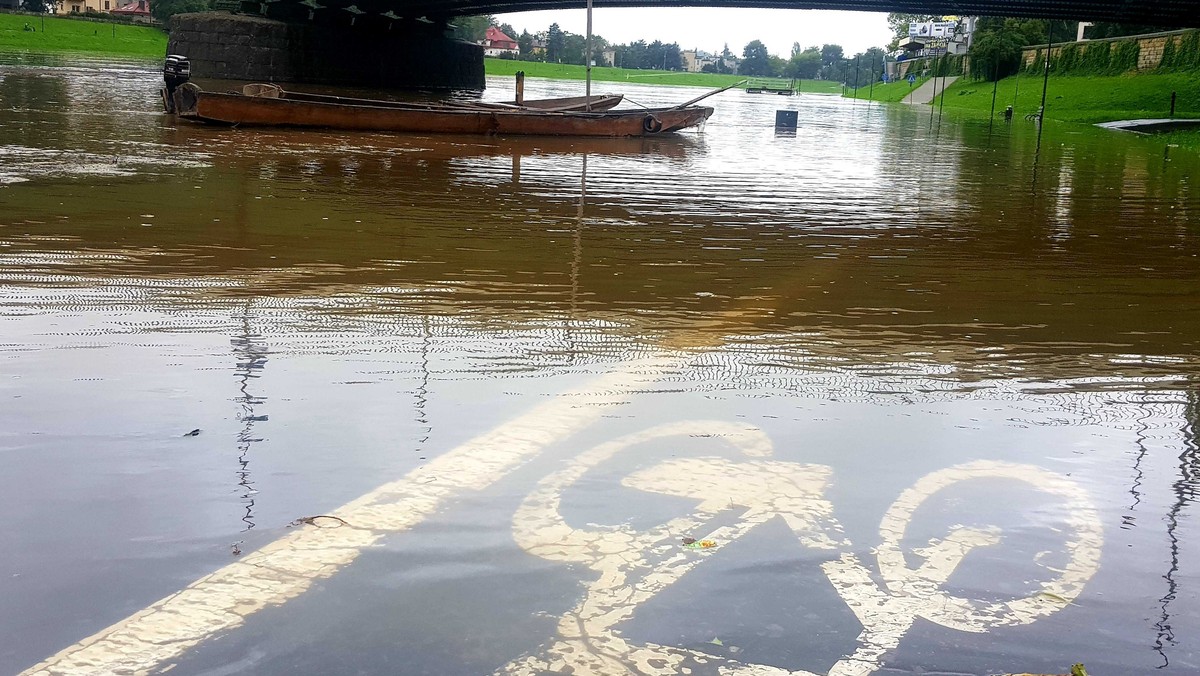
x: 177, y: 70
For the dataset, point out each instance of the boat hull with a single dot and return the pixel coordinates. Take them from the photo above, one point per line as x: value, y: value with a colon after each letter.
x: 236, y: 109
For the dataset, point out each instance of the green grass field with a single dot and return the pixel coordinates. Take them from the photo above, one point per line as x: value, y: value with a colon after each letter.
x: 892, y: 92
x: 562, y: 71
x: 1086, y: 99
x: 79, y: 35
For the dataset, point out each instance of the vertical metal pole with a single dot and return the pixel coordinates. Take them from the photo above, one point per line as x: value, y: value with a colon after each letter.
x: 856, y: 75
x: 1172, y: 104
x: 995, y: 86
x: 1045, y: 79
x: 871, y: 91
x: 942, y: 103
x: 588, y: 59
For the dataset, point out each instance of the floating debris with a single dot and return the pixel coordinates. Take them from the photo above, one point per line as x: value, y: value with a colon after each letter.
x: 701, y: 544
x: 312, y: 521
x: 193, y: 433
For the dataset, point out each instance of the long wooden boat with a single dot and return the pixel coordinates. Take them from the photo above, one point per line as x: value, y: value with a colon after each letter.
x: 189, y: 102
x: 598, y: 103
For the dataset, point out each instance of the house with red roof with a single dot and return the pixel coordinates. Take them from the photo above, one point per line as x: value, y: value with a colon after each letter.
x: 496, y: 43
x: 138, y: 10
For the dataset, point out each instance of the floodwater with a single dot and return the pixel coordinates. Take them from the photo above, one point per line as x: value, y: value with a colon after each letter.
x: 924, y: 393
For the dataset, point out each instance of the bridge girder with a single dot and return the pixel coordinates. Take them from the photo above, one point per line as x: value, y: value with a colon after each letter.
x: 1177, y: 13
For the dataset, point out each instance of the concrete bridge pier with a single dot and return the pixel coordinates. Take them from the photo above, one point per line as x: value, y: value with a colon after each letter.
x: 400, y: 55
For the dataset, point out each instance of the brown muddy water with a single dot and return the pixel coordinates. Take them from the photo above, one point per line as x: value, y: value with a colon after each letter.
x: 924, y: 396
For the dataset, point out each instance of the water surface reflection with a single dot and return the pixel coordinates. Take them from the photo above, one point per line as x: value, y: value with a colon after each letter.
x: 867, y: 304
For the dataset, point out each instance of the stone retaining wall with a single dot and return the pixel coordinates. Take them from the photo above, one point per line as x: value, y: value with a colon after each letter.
x: 1150, y: 48
x: 240, y: 47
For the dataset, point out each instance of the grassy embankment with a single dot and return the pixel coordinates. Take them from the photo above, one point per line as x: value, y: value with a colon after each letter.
x: 79, y: 35
x: 1087, y: 99
x: 563, y: 71
x: 1084, y: 99
x: 892, y: 92
x: 1070, y: 98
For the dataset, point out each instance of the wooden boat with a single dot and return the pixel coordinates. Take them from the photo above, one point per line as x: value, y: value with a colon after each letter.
x: 598, y: 103
x: 189, y: 102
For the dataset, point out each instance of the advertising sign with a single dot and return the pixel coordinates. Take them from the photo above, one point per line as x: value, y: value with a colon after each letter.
x: 932, y: 29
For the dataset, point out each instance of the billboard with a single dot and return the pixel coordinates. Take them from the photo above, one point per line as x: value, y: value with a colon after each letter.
x: 932, y: 29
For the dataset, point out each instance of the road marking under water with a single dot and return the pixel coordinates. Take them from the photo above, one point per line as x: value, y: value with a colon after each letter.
x: 287, y: 567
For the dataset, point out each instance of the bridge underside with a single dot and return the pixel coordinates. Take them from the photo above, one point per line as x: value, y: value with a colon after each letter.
x: 401, y: 43
x: 392, y: 54
x: 1167, y: 13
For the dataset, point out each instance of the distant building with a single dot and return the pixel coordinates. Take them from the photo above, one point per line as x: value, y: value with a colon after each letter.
x: 695, y: 60
x: 537, y: 45
x: 496, y: 43
x: 138, y: 10
x: 935, y: 38
x: 80, y: 6
x: 608, y: 57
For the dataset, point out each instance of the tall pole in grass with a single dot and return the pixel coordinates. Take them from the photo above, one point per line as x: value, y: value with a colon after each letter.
x: 1045, y: 79
x: 587, y: 51
x: 871, y: 91
x: 942, y: 103
x: 854, y: 97
x: 995, y: 85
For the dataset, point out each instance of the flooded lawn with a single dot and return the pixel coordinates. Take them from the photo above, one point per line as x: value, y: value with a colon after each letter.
x: 888, y: 394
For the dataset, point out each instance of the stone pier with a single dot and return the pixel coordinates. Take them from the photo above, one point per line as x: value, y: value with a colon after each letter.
x: 401, y: 56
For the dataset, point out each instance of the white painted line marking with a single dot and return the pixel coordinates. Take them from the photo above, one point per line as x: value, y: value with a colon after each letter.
x: 287, y: 567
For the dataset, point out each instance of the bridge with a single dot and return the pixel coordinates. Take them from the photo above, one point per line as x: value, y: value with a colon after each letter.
x: 1177, y: 13
x: 401, y: 43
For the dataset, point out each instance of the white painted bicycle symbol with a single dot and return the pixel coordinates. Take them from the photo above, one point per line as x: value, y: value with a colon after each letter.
x: 634, y: 566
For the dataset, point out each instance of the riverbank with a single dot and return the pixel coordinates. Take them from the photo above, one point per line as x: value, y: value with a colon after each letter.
x: 891, y: 92
x: 564, y: 71
x: 1086, y: 99
x: 57, y: 34
x: 1077, y: 99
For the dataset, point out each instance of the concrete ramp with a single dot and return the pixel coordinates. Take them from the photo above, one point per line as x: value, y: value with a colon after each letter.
x: 1151, y: 126
x: 929, y: 90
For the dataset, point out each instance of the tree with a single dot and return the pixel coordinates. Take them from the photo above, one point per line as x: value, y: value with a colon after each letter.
x: 996, y: 47
x: 830, y: 54
x: 1117, y: 30
x: 507, y: 29
x: 554, y: 44
x: 466, y: 28
x: 525, y: 43
x: 805, y: 64
x: 864, y: 68
x: 756, y: 61
x: 995, y: 54
x: 39, y: 6
x: 163, y: 10
x: 573, y: 48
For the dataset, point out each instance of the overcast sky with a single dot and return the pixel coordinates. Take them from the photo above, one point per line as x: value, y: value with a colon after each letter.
x: 710, y: 28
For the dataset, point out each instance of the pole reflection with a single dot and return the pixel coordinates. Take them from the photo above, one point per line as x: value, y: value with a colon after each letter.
x: 251, y: 351
x: 1184, y: 489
